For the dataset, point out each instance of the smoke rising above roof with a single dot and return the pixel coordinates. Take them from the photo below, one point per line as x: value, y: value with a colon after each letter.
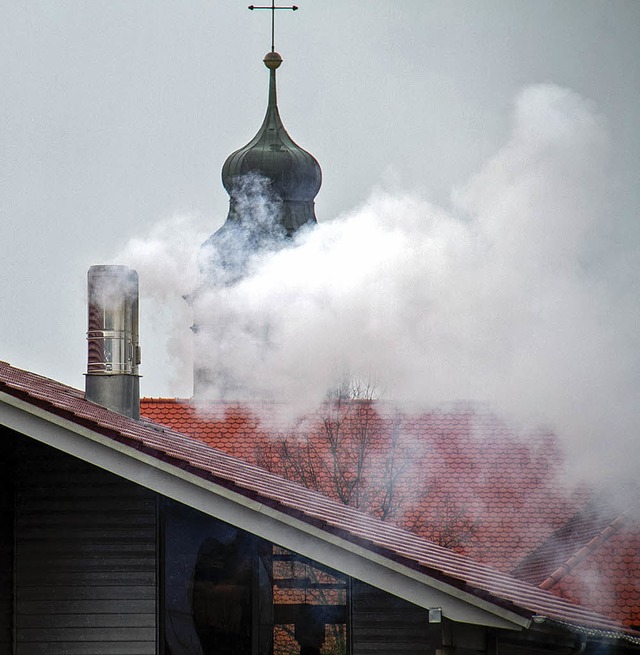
x: 492, y: 300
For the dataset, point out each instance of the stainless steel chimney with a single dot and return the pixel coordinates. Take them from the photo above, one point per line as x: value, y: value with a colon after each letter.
x: 112, y: 378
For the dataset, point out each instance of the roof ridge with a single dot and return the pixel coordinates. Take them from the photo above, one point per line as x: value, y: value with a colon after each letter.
x: 592, y: 545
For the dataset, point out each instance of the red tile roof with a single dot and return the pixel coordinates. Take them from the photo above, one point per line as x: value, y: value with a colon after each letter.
x: 290, y: 498
x: 591, y: 560
x: 505, y: 489
x: 474, y: 484
x: 603, y: 574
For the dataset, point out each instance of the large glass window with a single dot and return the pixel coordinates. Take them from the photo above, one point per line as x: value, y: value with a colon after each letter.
x: 226, y: 592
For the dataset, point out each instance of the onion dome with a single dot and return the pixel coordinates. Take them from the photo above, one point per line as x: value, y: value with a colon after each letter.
x: 294, y: 175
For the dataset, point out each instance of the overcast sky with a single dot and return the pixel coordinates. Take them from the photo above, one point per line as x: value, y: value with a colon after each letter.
x: 118, y: 114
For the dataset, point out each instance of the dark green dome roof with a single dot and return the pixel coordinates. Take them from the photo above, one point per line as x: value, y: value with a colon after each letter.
x: 294, y: 174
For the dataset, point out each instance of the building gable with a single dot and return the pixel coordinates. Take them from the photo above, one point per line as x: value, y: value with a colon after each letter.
x: 243, y: 495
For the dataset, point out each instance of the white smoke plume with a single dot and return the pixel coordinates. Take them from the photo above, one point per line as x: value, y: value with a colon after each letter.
x: 499, y: 299
x: 167, y: 264
x: 251, y: 228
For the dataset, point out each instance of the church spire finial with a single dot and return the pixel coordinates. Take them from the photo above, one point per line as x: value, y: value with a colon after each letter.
x: 273, y: 8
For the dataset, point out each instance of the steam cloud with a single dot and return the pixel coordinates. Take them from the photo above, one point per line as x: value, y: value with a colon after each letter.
x: 499, y: 299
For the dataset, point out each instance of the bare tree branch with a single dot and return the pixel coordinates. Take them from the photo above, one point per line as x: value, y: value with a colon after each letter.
x: 355, y: 456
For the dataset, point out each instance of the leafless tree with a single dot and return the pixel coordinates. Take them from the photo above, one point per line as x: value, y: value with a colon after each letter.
x: 353, y: 454
x: 348, y: 453
x: 449, y: 524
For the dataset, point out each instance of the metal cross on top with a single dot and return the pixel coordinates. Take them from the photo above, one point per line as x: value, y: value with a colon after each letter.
x: 273, y: 8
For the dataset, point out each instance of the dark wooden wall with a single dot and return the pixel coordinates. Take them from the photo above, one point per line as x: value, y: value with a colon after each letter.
x: 6, y: 541
x: 382, y: 624
x: 86, y: 563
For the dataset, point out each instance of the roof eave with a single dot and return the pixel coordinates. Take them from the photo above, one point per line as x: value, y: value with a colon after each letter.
x: 610, y: 636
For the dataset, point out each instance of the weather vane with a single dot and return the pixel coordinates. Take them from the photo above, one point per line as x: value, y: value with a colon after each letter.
x: 273, y: 8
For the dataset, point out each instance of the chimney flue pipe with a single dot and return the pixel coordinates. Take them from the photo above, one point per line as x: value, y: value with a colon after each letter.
x: 112, y: 378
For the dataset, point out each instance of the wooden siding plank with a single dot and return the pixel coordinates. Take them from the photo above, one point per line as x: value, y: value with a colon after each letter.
x: 85, y: 634
x: 137, y: 620
x: 72, y: 519
x: 87, y: 547
x: 84, y: 606
x: 87, y: 648
x: 84, y: 592
x: 62, y: 491
x: 91, y: 506
x: 103, y: 578
x: 80, y: 564
x: 37, y: 533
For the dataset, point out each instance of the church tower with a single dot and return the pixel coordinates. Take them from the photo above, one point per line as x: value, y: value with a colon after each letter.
x: 272, y: 183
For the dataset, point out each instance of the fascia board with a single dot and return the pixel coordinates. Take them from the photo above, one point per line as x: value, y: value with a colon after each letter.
x: 248, y: 514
